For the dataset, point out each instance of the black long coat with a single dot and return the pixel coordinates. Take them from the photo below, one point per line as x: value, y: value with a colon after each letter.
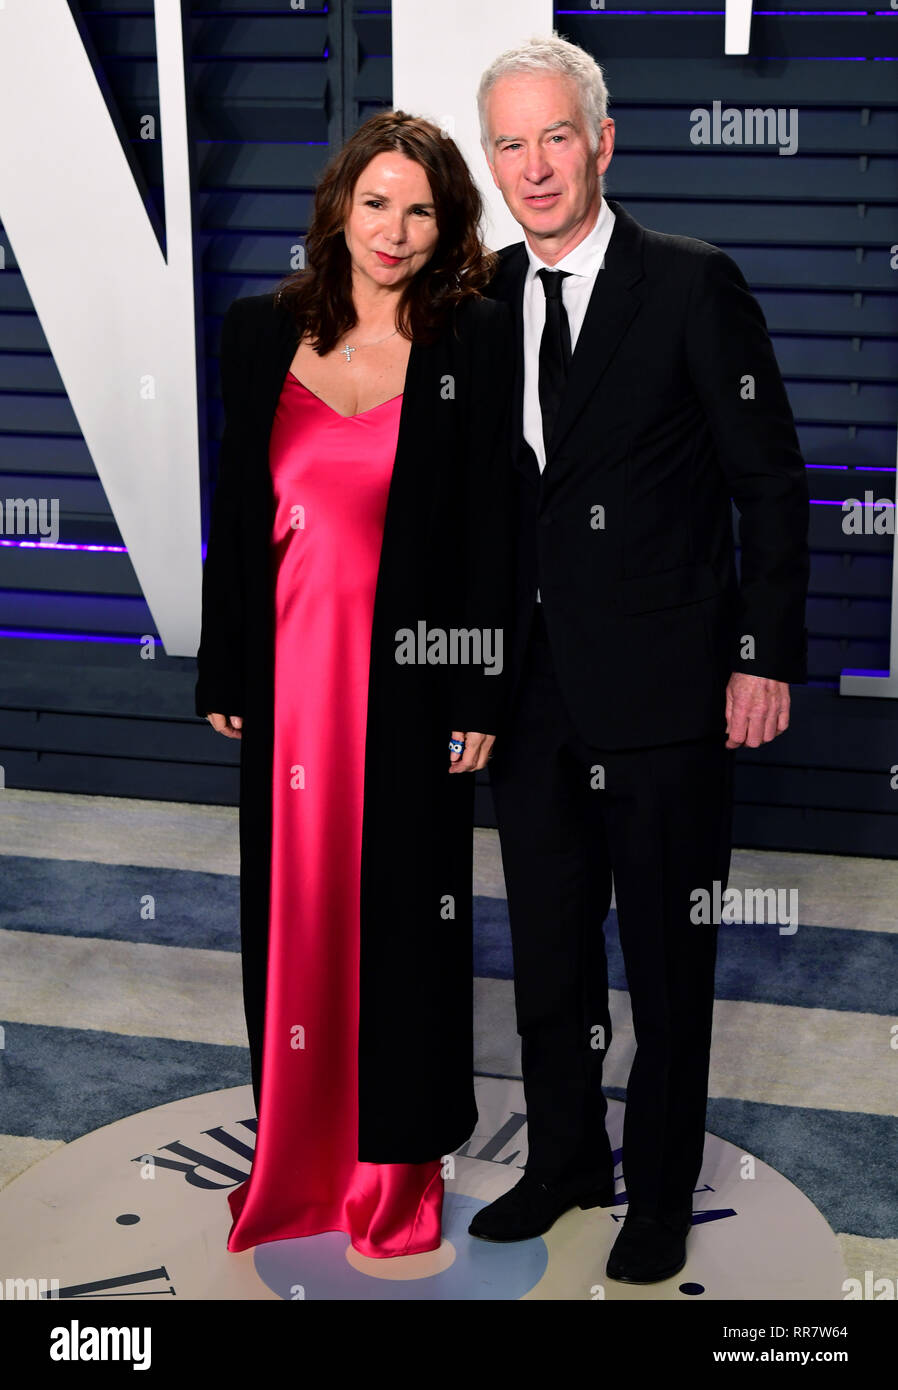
x: 446, y: 561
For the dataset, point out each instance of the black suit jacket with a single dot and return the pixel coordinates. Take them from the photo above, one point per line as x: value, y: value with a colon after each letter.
x: 674, y: 406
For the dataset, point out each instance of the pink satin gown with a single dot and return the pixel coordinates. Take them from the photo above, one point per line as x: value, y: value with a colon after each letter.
x: 331, y: 476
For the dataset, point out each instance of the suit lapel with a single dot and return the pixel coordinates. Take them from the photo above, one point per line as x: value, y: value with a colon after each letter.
x: 285, y: 341
x: 615, y: 300
x: 509, y: 286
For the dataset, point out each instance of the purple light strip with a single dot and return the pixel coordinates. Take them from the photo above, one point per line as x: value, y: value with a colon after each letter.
x: 821, y: 502
x: 322, y: 144
x: 68, y: 636
x: 66, y: 545
x: 72, y: 545
x: 662, y: 12
x: 787, y: 13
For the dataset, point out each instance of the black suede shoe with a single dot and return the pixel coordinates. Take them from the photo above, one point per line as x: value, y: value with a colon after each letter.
x: 649, y: 1248
x: 530, y: 1207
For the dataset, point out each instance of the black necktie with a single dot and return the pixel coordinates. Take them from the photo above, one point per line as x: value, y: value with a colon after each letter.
x: 554, y: 351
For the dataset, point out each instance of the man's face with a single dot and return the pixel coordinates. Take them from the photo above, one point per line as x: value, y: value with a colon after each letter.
x: 539, y: 154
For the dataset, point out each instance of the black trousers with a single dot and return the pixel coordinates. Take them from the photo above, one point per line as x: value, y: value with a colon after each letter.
x: 658, y: 820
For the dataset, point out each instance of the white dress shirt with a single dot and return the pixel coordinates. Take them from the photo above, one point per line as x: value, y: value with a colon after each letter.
x: 583, y: 265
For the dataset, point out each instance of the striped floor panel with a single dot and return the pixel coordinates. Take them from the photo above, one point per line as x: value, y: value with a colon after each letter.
x: 120, y: 990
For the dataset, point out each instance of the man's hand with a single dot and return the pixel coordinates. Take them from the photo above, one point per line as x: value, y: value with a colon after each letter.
x: 230, y: 726
x: 757, y: 709
x: 477, y: 749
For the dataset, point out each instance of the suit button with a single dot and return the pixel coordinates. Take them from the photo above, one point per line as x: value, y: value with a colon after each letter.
x: 545, y: 521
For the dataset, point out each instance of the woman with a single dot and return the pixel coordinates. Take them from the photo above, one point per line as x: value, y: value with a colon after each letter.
x: 361, y: 512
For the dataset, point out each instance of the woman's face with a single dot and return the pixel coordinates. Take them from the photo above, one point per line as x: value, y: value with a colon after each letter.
x: 391, y: 230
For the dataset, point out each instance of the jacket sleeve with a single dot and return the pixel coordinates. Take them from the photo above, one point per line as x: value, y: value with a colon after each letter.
x: 477, y: 691
x: 735, y: 373
x: 220, y: 657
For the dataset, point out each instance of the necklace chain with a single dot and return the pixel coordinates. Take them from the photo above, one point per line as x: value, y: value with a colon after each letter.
x: 380, y: 340
x: 347, y: 351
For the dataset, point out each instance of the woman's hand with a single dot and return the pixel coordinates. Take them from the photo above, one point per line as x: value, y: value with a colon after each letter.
x: 477, y: 750
x: 230, y: 726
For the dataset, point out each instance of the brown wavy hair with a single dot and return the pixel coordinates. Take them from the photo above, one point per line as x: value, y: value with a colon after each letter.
x: 320, y: 296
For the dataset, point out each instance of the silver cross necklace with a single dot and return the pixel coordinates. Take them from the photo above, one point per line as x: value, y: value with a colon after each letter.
x: 347, y: 351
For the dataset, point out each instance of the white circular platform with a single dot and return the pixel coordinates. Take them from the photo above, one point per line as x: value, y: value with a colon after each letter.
x: 106, y: 1223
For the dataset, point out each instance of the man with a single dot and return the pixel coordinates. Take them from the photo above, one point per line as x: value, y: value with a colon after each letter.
x: 648, y: 397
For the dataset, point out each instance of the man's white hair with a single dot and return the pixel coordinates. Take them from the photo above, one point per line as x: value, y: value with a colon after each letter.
x: 550, y: 55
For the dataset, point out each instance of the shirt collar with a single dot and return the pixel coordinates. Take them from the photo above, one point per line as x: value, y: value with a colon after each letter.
x: 586, y: 258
